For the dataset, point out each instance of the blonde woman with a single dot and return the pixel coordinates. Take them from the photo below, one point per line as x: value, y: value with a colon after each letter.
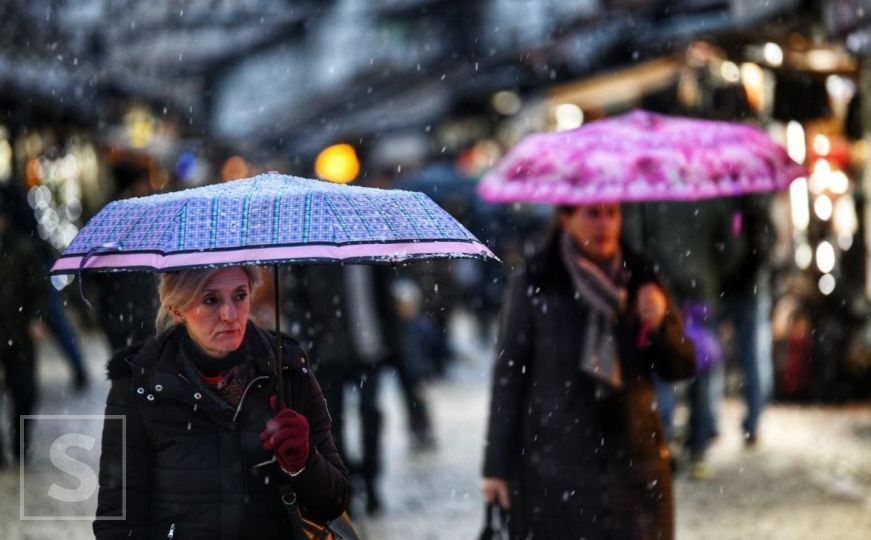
x: 206, y: 449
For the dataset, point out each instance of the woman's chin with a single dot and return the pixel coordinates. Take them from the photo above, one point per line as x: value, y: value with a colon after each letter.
x: 224, y: 345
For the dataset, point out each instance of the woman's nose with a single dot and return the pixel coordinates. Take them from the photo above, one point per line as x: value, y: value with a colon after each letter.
x: 228, y: 312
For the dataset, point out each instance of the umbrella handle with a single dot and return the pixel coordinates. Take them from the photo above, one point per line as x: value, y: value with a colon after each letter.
x: 91, y: 252
x: 279, y: 350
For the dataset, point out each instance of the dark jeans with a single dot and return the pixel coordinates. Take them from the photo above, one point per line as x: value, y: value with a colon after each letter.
x: 57, y: 322
x: 704, y: 396
x: 749, y: 315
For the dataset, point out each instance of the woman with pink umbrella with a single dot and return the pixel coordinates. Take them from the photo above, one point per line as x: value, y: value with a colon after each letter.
x: 575, y: 445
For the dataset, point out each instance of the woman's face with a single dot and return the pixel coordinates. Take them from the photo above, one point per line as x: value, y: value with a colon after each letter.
x: 595, y: 228
x: 217, y: 319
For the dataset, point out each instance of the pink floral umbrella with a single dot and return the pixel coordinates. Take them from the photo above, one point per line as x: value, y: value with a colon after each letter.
x: 640, y: 156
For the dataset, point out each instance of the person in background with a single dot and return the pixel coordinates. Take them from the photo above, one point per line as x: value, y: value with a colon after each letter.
x: 54, y: 318
x: 206, y: 449
x: 695, y: 247
x: 23, y: 296
x: 747, y: 305
x: 346, y: 318
x: 419, y: 346
x: 575, y: 447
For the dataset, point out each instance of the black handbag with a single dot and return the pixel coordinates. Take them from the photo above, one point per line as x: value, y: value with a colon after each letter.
x: 303, y: 528
x: 495, y: 523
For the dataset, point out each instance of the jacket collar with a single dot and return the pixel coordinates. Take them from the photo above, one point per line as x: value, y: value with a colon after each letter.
x: 156, y: 370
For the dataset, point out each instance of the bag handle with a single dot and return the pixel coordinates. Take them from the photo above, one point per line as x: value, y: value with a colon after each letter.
x: 294, y: 517
x: 495, y: 522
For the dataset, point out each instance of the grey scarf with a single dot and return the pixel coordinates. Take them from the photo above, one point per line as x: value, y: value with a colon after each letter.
x: 601, y: 292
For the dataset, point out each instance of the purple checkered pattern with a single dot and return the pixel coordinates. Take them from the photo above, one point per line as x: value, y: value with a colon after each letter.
x: 266, y: 212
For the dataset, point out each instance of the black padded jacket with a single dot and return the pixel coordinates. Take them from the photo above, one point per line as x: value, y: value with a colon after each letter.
x: 185, y: 464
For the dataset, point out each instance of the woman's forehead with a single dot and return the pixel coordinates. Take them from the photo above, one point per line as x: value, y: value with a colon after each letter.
x: 227, y: 278
x: 597, y: 207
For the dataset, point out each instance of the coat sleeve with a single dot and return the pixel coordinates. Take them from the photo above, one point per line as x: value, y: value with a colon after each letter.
x: 125, y: 465
x: 670, y: 351
x: 514, y: 352
x: 323, y: 488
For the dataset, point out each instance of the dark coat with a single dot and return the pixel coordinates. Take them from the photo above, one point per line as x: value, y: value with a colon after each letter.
x: 191, y: 460
x: 24, y: 292
x: 580, y: 467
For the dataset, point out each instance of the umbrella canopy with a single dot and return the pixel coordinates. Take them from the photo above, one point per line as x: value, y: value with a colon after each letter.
x: 268, y: 219
x: 640, y: 156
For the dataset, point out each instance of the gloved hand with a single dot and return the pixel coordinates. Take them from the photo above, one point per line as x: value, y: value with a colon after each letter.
x: 287, y: 435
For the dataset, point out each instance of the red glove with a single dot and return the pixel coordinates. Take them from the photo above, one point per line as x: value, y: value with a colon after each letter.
x: 287, y: 434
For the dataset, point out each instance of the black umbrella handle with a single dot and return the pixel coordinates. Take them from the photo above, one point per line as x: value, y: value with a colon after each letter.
x: 279, y: 352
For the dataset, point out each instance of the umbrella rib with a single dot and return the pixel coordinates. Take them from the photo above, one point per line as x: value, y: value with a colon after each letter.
x: 306, y: 218
x: 133, y: 226
x: 182, y: 233
x: 276, y: 216
x: 246, y: 205
x: 213, y: 228
x: 426, y: 210
x: 356, y: 210
x: 413, y: 224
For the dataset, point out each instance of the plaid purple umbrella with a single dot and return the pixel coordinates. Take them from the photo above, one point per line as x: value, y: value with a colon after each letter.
x: 640, y: 156
x: 270, y: 219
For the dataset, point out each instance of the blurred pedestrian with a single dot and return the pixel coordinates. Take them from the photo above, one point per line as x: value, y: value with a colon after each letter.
x: 54, y: 317
x: 747, y: 305
x: 23, y: 297
x: 347, y: 321
x: 415, y: 363
x: 694, y: 246
x: 440, y: 299
x: 575, y: 446
x: 206, y: 450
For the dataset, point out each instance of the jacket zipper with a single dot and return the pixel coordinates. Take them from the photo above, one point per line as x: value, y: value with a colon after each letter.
x: 244, y: 394
x: 241, y: 441
x: 238, y: 434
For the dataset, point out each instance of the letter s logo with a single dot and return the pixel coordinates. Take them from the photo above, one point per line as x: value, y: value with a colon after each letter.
x: 88, y: 482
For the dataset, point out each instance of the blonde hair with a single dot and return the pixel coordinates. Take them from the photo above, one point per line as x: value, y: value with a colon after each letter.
x: 179, y: 290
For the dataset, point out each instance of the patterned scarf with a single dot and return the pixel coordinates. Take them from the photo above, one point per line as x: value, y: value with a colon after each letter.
x: 603, y: 294
x: 227, y: 386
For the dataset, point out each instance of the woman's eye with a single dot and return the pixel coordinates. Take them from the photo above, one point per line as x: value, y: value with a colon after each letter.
x: 209, y: 300
x: 241, y: 296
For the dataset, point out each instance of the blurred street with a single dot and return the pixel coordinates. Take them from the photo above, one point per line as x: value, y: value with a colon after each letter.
x: 810, y: 476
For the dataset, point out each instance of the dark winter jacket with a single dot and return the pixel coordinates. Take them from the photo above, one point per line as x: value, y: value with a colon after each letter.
x: 194, y: 465
x: 580, y: 467
x: 23, y: 293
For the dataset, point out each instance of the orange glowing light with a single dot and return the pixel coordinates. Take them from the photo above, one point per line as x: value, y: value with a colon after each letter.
x: 338, y: 163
